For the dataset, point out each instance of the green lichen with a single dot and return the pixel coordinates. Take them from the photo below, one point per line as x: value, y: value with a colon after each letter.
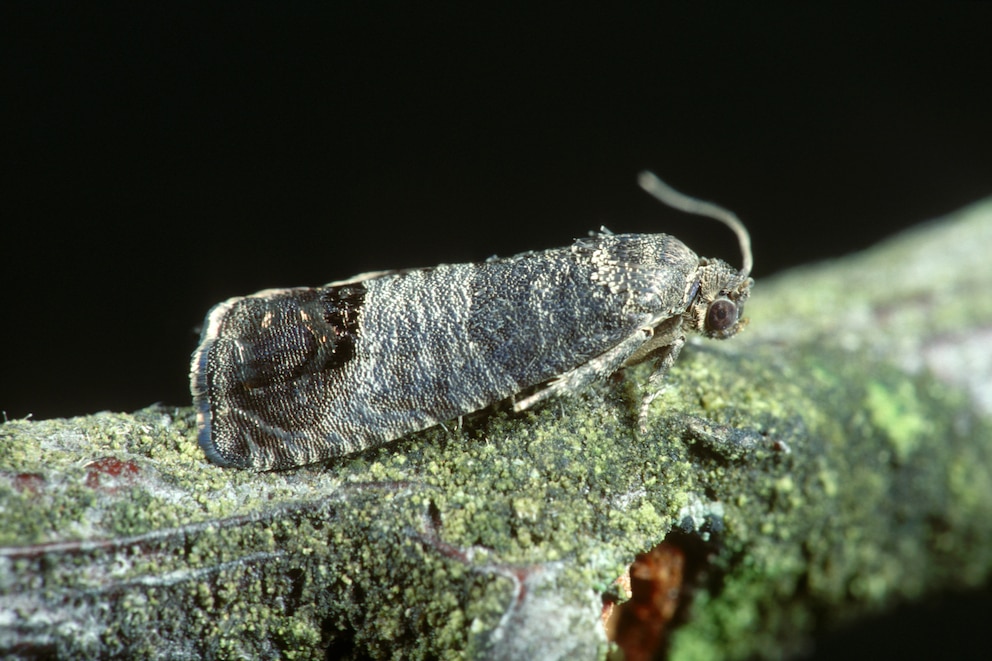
x: 899, y: 414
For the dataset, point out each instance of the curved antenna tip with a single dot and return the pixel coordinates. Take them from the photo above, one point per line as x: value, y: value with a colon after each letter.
x: 665, y: 194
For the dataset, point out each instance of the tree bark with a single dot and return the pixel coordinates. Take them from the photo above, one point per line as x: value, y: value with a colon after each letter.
x: 831, y: 462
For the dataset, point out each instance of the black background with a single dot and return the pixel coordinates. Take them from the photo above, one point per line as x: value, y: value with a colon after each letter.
x: 159, y: 160
x: 162, y: 160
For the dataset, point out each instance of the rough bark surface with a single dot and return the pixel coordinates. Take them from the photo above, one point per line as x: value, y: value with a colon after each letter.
x: 832, y: 461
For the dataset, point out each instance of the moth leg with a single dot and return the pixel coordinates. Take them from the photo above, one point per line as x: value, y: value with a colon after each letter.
x: 655, y: 384
x: 458, y: 425
x: 580, y: 377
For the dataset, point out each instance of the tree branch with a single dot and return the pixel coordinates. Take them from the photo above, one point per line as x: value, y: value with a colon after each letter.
x: 832, y: 461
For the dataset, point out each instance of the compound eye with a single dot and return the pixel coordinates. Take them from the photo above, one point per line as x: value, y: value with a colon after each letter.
x: 721, y: 315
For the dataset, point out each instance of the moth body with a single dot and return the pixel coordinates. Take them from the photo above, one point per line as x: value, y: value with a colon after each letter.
x: 288, y: 377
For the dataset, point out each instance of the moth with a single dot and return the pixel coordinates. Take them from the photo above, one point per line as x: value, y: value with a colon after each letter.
x: 288, y: 377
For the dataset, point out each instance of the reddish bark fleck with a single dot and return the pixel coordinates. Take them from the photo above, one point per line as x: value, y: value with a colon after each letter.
x: 33, y: 483
x: 120, y: 472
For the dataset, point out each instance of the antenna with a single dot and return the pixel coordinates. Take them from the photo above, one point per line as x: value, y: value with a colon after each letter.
x: 668, y: 195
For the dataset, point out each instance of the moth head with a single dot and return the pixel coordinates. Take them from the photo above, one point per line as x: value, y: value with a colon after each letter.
x: 716, y: 300
x: 717, y: 307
